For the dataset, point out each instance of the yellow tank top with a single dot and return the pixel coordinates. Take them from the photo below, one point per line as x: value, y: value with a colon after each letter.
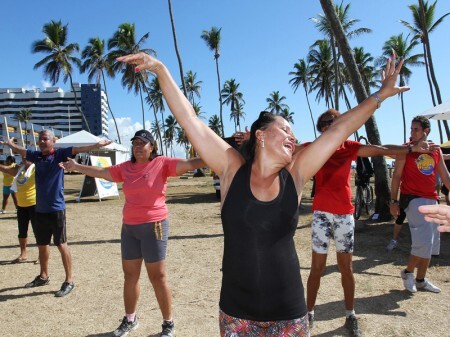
x: 8, y: 179
x: 26, y: 188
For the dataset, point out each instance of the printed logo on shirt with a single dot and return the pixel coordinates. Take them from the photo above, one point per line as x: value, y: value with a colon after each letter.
x: 425, y: 164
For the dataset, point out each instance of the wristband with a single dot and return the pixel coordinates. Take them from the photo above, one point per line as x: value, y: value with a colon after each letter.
x: 375, y: 95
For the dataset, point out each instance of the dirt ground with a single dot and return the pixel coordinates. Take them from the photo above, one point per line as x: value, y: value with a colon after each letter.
x: 95, y: 307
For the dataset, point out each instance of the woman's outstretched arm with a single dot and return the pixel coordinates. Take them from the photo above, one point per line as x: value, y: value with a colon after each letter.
x: 311, y: 159
x: 212, y: 149
x: 91, y: 171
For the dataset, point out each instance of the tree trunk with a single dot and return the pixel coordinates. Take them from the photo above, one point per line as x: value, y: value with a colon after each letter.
x: 176, y: 49
x: 381, y: 173
x: 220, y: 95
x: 310, y: 113
x: 76, y: 104
x: 156, y: 117
x: 336, y: 73
x: 403, y: 116
x: 109, y: 107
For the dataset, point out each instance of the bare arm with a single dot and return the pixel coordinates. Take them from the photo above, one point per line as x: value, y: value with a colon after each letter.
x: 383, y: 150
x: 395, y: 183
x: 12, y: 171
x: 443, y: 172
x: 87, y: 148
x: 439, y: 214
x: 185, y: 165
x: 91, y: 171
x: 16, y: 148
x: 314, y: 156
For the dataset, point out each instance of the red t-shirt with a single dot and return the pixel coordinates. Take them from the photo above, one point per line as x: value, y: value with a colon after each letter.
x: 144, y: 186
x: 333, y: 192
x: 419, y: 174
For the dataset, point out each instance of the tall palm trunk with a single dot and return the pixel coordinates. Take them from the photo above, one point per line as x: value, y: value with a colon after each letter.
x: 336, y: 73
x: 403, y: 116
x: 156, y: 117
x: 109, y: 107
x: 164, y: 129
x: 220, y: 96
x: 310, y: 113
x: 381, y: 174
x: 76, y: 104
x: 176, y: 49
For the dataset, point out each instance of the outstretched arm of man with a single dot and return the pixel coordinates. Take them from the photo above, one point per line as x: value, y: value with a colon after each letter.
x: 87, y: 148
x: 384, y: 150
x: 16, y: 148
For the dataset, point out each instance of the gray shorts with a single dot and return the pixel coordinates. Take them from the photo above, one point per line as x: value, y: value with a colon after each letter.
x: 147, y: 241
x: 425, y: 238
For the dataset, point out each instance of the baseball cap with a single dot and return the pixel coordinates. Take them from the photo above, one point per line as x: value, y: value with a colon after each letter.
x: 144, y: 135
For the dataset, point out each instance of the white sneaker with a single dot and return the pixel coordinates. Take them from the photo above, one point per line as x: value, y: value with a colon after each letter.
x: 392, y: 244
x: 408, y: 281
x: 427, y: 285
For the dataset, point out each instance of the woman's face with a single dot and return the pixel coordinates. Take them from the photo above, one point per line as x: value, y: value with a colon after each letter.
x: 141, y: 150
x: 279, y: 139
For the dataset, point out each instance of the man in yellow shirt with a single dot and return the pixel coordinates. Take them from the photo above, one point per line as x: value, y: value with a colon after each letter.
x: 7, y: 182
x: 23, y: 183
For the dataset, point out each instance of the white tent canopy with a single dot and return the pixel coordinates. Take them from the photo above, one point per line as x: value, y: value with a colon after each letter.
x: 83, y: 138
x: 439, y: 112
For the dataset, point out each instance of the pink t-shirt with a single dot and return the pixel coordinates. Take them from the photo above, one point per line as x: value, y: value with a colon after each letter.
x: 144, y: 186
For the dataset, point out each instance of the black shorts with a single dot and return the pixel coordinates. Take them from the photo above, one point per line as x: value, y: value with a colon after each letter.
x: 444, y: 190
x: 48, y: 224
x: 24, y: 216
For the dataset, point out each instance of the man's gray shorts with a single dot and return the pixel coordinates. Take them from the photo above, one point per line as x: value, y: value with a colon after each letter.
x: 425, y: 239
x: 147, y: 241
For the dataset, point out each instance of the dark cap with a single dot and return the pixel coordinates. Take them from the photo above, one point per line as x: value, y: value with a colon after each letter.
x: 144, y: 135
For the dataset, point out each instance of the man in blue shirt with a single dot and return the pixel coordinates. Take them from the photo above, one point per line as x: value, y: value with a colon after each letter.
x: 50, y: 204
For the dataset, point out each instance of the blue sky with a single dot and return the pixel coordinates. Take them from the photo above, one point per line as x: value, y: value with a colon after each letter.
x: 261, y: 41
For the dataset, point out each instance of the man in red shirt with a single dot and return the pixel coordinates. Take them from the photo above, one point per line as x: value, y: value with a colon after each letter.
x: 415, y: 176
x: 333, y: 215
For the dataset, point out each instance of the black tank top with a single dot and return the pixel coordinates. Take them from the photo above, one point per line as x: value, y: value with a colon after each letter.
x: 261, y: 271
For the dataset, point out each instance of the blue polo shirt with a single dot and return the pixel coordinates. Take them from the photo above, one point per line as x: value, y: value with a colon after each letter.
x: 49, y: 179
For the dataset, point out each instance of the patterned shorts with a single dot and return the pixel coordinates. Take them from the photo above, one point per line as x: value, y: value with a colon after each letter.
x: 237, y: 327
x: 340, y: 227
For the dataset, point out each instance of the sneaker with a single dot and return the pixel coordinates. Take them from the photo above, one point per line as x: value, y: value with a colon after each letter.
x: 168, y: 329
x: 38, y: 282
x: 392, y: 245
x: 65, y: 289
x: 408, y: 281
x: 351, y: 324
x: 311, y: 320
x: 427, y: 285
x: 125, y: 327
x: 2, y: 211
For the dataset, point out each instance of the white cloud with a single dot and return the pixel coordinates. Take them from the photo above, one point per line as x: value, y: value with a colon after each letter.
x: 46, y: 84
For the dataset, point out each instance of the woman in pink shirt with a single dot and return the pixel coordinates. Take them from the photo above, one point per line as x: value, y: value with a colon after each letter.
x: 145, y: 226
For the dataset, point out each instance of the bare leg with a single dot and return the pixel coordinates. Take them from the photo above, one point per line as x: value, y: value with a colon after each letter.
x: 23, y: 248
x: 344, y: 261
x: 66, y: 260
x: 420, y: 263
x: 397, y: 230
x: 14, y: 198
x: 318, y: 264
x: 131, y: 286
x: 5, y: 201
x: 158, y: 277
x: 44, y: 254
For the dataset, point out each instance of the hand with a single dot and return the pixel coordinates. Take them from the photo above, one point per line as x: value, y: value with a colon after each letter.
x: 7, y: 142
x: 425, y: 147
x: 69, y: 165
x: 439, y: 214
x: 389, y: 76
x: 103, y: 142
x: 241, y: 137
x: 142, y: 61
x: 395, y: 210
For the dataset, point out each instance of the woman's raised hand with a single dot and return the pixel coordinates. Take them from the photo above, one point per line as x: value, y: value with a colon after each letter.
x: 142, y: 61
x: 389, y: 77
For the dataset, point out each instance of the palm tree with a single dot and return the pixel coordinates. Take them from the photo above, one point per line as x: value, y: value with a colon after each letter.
x: 380, y: 168
x: 183, y: 140
x: 198, y: 110
x: 60, y: 57
x: 124, y: 42
x: 155, y: 99
x: 170, y: 132
x: 232, y: 96
x: 23, y: 116
x: 324, y: 26
x: 403, y: 48
x: 423, y: 24
x: 156, y: 127
x: 276, y: 103
x: 212, y: 39
x: 96, y: 64
x: 215, y: 125
x: 322, y: 72
x: 287, y: 115
x: 174, y: 33
x: 193, y: 86
x: 237, y: 115
x: 302, y: 76
x: 364, y: 62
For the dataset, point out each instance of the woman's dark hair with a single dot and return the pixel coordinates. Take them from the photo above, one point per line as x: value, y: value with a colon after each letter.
x: 152, y: 156
x: 262, y: 123
x: 11, y: 159
x: 330, y: 113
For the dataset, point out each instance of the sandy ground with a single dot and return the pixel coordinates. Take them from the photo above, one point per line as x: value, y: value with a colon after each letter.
x: 95, y: 307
